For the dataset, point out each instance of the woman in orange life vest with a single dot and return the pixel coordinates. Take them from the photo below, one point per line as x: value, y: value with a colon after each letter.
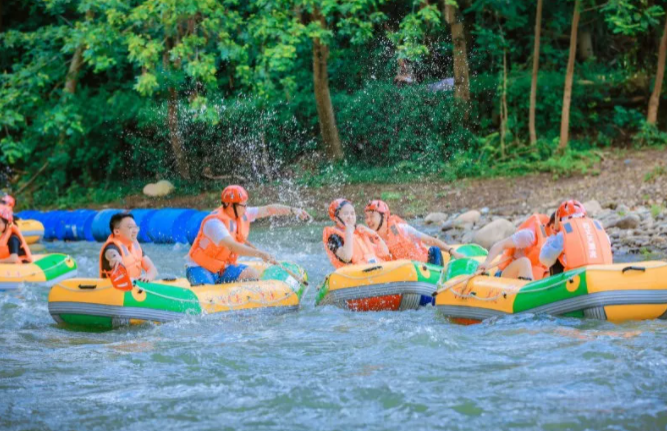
x: 222, y: 238
x: 347, y: 243
x: 122, y: 248
x: 579, y: 241
x: 404, y: 241
x: 521, y: 251
x: 13, y: 248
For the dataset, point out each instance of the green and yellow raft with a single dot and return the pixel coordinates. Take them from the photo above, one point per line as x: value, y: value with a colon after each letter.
x: 388, y: 286
x: 617, y: 292
x: 96, y: 303
x: 45, y: 270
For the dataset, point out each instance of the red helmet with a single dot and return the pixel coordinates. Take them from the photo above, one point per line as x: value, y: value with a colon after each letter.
x: 336, y: 206
x: 8, y: 200
x: 570, y: 208
x: 234, y: 195
x: 6, y: 213
x: 379, y: 206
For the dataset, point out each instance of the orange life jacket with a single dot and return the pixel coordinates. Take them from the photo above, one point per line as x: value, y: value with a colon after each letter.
x: 401, y: 245
x: 214, y: 257
x: 4, y: 244
x: 365, y: 249
x: 585, y: 242
x: 130, y: 252
x: 537, y: 224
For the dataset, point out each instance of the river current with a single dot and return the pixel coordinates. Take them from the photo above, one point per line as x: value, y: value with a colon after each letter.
x: 324, y: 368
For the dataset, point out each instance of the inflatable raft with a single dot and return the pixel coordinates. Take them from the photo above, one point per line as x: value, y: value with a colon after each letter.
x: 389, y: 286
x: 96, y: 303
x: 618, y: 292
x: 46, y: 269
x: 32, y: 230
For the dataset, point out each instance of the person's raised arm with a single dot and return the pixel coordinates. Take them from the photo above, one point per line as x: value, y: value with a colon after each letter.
x: 245, y: 250
x: 346, y: 252
x: 282, y: 210
x: 113, y: 257
x: 495, y: 251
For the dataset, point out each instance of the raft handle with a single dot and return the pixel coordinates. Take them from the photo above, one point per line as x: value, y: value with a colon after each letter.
x: 169, y: 279
x: 87, y: 286
x: 633, y: 268
x: 372, y: 268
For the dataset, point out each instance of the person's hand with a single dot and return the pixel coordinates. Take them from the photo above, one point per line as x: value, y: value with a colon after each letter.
x: 302, y: 214
x: 115, y: 260
x: 455, y: 254
x: 482, y: 268
x: 367, y: 229
x: 146, y: 278
x: 266, y: 257
x: 349, y: 227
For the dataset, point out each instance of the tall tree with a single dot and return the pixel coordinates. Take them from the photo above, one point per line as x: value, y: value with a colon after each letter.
x: 536, y: 67
x: 654, y: 102
x: 460, y: 51
x: 569, y: 77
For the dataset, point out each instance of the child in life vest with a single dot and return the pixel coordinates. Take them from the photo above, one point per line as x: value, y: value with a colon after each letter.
x: 347, y: 243
x: 521, y: 251
x: 122, y: 248
x: 403, y: 240
x: 579, y: 240
x: 222, y: 238
x: 13, y: 248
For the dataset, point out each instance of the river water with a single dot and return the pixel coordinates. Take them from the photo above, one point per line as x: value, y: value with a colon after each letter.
x: 324, y: 368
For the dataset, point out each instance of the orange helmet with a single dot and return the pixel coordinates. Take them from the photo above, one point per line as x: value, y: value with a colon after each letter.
x: 379, y: 206
x: 336, y: 206
x: 570, y: 208
x: 234, y: 195
x: 8, y: 200
x: 6, y: 213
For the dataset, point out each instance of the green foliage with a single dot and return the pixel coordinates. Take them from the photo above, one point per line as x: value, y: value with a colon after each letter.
x: 656, y: 210
x: 655, y: 173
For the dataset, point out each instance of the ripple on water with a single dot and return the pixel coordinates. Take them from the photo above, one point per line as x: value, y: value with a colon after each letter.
x: 324, y: 368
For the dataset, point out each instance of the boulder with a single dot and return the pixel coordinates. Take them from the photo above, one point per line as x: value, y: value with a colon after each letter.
x: 471, y: 216
x: 493, y: 232
x: 627, y: 222
x: 159, y: 189
x: 435, y: 218
x: 593, y: 208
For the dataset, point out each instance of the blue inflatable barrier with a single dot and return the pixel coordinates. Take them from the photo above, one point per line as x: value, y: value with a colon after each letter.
x: 78, y: 225
x: 193, y: 225
x: 143, y: 217
x: 168, y: 225
x: 54, y: 225
x: 30, y: 215
x: 100, y: 224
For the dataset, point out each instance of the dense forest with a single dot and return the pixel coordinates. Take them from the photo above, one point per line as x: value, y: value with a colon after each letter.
x: 96, y: 92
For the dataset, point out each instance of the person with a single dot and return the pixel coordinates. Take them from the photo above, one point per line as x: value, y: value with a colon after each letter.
x: 223, y: 237
x: 13, y: 248
x: 122, y: 248
x: 521, y: 251
x: 348, y: 243
x: 403, y: 240
x: 7, y: 200
x: 579, y: 240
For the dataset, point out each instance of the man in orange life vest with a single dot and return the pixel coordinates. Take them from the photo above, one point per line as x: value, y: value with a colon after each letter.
x: 13, y: 248
x: 347, y: 243
x: 222, y: 238
x: 404, y: 241
x: 521, y: 251
x: 579, y: 241
x: 122, y: 248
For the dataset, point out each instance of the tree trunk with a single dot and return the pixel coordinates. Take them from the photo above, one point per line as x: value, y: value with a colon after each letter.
x: 654, y: 103
x: 73, y: 72
x: 503, y: 107
x: 536, y: 68
x: 325, y: 111
x: 461, y: 70
x: 569, y: 76
x: 585, y: 44
x: 175, y: 137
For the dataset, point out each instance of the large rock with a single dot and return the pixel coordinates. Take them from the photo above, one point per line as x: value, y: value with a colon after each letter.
x: 435, y: 218
x: 593, y: 208
x: 159, y: 189
x: 627, y: 222
x: 493, y: 232
x: 471, y: 216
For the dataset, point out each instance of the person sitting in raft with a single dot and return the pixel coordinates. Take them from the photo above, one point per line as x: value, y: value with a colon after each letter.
x: 347, y: 243
x: 222, y: 238
x: 579, y: 241
x: 403, y: 240
x: 122, y: 248
x: 521, y: 251
x: 13, y: 248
